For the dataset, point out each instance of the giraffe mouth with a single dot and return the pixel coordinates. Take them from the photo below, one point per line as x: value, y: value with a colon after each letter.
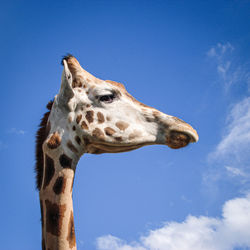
x: 102, y: 147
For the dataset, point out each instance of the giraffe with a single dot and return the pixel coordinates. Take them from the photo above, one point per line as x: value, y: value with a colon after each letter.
x: 90, y: 115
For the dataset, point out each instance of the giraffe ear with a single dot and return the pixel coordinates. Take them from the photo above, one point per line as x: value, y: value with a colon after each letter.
x: 66, y: 91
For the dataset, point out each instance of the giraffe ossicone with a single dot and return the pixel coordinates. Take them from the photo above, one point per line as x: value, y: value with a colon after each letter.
x: 90, y: 115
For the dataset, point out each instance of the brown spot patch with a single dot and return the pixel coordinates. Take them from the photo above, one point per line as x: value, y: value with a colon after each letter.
x: 65, y: 161
x: 100, y: 117
x: 71, y: 232
x: 49, y: 171
x: 149, y: 118
x: 89, y: 116
x: 54, y: 141
x: 118, y: 138
x: 59, y: 185
x: 78, y: 140
x: 84, y: 125
x: 108, y: 118
x: 109, y: 131
x: 74, y: 128
x: 122, y: 125
x: 78, y: 118
x: 76, y: 83
x: 54, y: 217
x: 97, y: 133
x: 88, y: 105
x: 72, y: 147
x: 156, y: 113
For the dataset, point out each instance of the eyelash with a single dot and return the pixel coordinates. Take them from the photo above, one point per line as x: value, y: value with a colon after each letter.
x: 107, y: 98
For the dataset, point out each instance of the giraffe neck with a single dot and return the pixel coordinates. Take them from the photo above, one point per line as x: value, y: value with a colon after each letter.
x: 56, y: 203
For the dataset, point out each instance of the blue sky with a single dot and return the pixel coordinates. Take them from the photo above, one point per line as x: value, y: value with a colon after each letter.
x: 186, y: 58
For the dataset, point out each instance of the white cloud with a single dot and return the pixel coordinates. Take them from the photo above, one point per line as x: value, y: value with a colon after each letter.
x: 109, y: 242
x: 219, y: 50
x: 229, y: 72
x: 204, y: 233
x: 236, y: 140
x: 231, y: 157
x: 16, y: 131
x: 236, y: 171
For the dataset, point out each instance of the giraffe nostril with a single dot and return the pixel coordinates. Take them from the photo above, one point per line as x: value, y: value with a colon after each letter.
x: 177, y: 140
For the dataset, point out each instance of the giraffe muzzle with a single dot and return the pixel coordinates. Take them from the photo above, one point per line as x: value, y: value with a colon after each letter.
x: 179, y: 133
x: 180, y: 139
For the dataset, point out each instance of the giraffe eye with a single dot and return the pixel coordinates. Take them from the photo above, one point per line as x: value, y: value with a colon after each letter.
x: 107, y: 98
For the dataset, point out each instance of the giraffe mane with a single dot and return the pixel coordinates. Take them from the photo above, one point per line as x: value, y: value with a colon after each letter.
x: 41, y: 135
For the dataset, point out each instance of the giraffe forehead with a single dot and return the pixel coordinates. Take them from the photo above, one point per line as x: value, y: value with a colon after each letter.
x: 117, y: 84
x: 93, y: 88
x: 105, y: 87
x: 123, y: 90
x: 83, y: 79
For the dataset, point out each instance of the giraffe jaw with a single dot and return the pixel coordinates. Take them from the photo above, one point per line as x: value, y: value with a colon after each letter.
x: 100, y: 148
x: 175, y: 140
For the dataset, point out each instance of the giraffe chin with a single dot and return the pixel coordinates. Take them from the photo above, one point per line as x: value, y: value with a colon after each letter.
x: 101, y: 148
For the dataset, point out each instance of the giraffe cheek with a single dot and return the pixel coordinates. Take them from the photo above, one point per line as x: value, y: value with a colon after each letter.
x: 136, y: 134
x: 100, y: 118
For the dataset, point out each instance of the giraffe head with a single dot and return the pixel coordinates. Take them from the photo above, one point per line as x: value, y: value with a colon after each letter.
x: 102, y: 117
